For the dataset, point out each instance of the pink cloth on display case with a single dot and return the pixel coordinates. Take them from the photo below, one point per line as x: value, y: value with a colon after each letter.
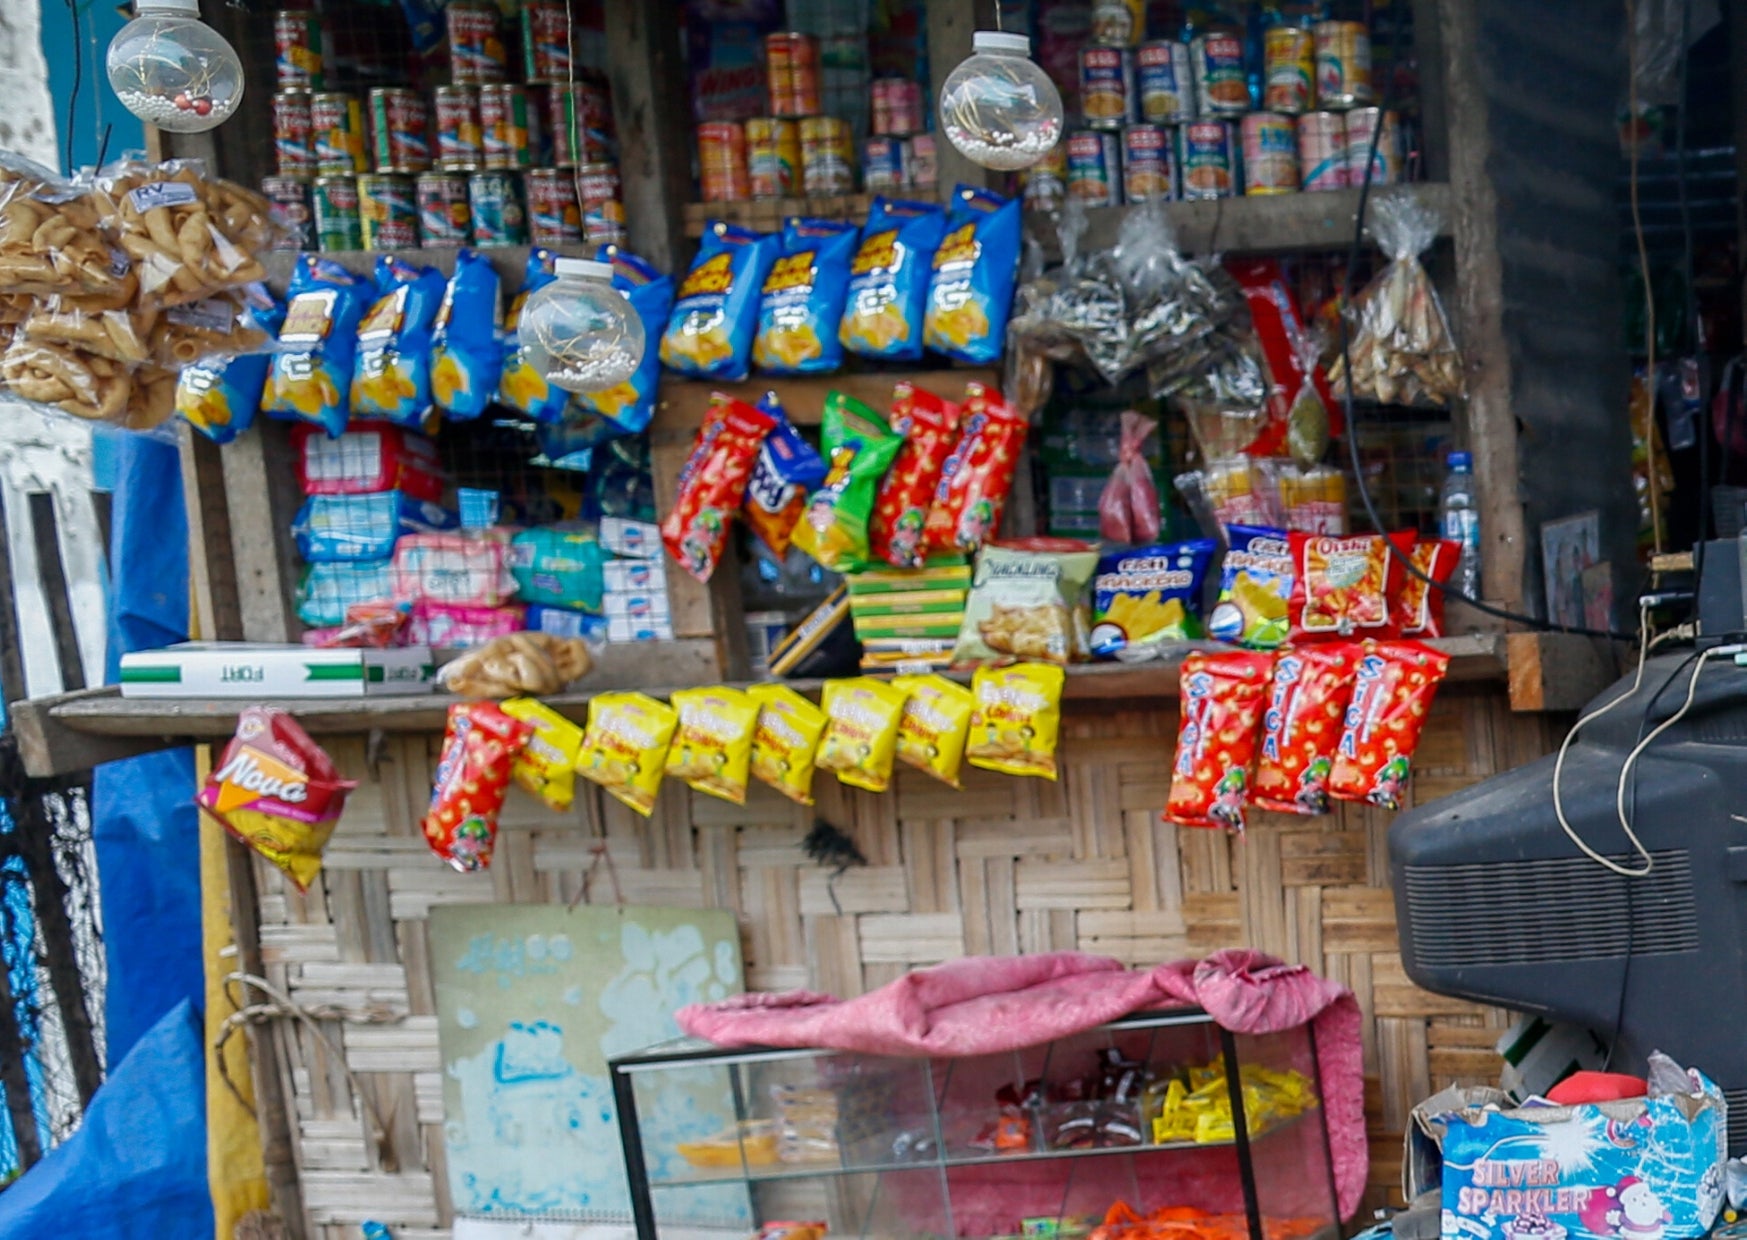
x: 984, y: 1005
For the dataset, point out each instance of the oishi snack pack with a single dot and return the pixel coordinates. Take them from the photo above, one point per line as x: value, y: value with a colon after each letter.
x: 624, y: 748
x: 1393, y: 689
x: 715, y: 313
x: 803, y: 299
x: 888, y: 280
x: 391, y: 375
x: 712, y: 745
x: 928, y: 424
x: 276, y: 791
x: 1027, y: 601
x: 1418, y: 610
x: 1255, y: 588
x: 1017, y: 719
x: 546, y: 767
x: 466, y: 353
x: 1341, y: 587
x: 1301, y: 726
x: 784, y: 740
x: 787, y: 470
x: 312, y: 375
x: 859, y: 448
x: 479, y: 751
x: 976, y: 477
x: 861, y: 730
x: 712, y: 484
x: 1148, y: 597
x: 935, y: 723
x: 1222, y: 699
x: 974, y: 269
x: 631, y: 404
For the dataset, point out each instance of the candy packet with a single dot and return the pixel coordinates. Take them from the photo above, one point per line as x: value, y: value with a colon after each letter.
x: 1148, y: 597
x: 787, y: 471
x: 712, y: 484
x: 1222, y: 700
x: 276, y: 791
x: 521, y: 386
x: 803, y: 299
x: 624, y: 748
x: 1128, y: 507
x: 480, y: 747
x: 715, y: 313
x: 1393, y: 689
x: 861, y: 730
x: 1307, y: 700
x: 1027, y: 601
x: 546, y: 767
x: 888, y: 280
x: 311, y: 377
x: 1418, y: 609
x: 466, y: 351
x: 859, y: 447
x: 631, y: 404
x: 1341, y: 587
x: 1017, y: 719
x: 928, y: 424
x: 977, y: 475
x: 1255, y: 588
x: 975, y: 267
x: 785, y: 739
x: 391, y: 372
x: 934, y: 725
x: 712, y: 745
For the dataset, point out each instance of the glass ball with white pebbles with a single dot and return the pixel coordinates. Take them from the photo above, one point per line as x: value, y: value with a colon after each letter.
x: 579, y: 331
x: 174, y: 71
x: 999, y: 107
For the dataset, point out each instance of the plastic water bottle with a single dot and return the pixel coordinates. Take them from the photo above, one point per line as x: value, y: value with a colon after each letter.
x: 1462, y: 522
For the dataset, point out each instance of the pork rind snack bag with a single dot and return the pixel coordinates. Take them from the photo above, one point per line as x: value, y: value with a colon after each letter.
x: 1028, y: 601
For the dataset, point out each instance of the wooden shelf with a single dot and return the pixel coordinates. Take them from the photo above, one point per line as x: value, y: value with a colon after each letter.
x: 72, y: 731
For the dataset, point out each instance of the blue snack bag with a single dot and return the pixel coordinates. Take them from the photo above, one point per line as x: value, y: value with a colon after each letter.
x: 788, y: 470
x: 971, y: 288
x: 1255, y: 587
x: 888, y: 280
x: 331, y: 528
x: 1145, y: 598
x: 466, y: 354
x: 803, y: 299
x: 391, y: 375
x: 521, y: 387
x: 310, y: 379
x: 630, y: 405
x: 715, y: 312
x: 218, y: 396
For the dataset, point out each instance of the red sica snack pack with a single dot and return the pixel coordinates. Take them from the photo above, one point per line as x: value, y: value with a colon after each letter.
x: 712, y: 484
x: 1216, y: 742
x: 927, y: 422
x: 977, y: 476
x: 479, y: 748
x: 1301, y: 726
x: 1128, y: 507
x: 1392, y: 694
x: 1342, y: 587
x: 276, y: 791
x: 1419, y: 608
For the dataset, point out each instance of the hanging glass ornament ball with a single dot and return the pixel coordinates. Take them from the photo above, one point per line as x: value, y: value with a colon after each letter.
x: 172, y: 70
x: 579, y: 331
x: 999, y: 107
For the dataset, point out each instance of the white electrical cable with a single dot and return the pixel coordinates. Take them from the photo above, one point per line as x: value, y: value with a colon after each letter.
x: 1676, y: 717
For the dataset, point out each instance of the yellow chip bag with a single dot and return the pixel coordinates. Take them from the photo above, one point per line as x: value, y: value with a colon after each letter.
x: 935, y: 723
x: 712, y: 746
x: 785, y: 739
x: 1017, y: 718
x: 546, y: 767
x: 624, y: 748
x: 861, y: 730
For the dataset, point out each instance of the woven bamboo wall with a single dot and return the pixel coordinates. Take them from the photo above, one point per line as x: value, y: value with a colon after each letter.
x: 1006, y: 865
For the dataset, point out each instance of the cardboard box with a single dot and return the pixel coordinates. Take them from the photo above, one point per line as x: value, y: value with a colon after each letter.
x: 241, y: 670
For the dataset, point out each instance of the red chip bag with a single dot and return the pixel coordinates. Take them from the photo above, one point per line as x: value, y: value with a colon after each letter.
x: 1392, y: 695
x: 1307, y: 700
x: 977, y: 476
x: 1216, y: 742
x: 1418, y: 609
x: 712, y: 484
x: 479, y: 748
x: 1342, y: 587
x: 927, y: 422
x: 1128, y: 507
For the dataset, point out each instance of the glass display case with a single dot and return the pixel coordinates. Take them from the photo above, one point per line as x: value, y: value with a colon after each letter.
x: 1158, y: 1123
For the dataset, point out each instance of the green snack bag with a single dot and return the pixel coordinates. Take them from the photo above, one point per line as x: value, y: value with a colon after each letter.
x: 859, y: 448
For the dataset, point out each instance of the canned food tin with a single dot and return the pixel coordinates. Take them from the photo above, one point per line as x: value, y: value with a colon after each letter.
x: 399, y: 130
x: 722, y: 161
x: 1107, y: 94
x: 288, y: 206
x: 1361, y: 123
x: 1205, y: 160
x: 476, y: 50
x: 1094, y: 168
x: 337, y: 225
x: 297, y: 49
x: 545, y: 41
x: 773, y: 157
x: 597, y: 182
x: 882, y: 164
x: 581, y: 123
x: 1288, y: 70
x: 504, y: 122
x: 1322, y: 151
x: 444, y: 217
x: 1044, y: 185
x: 1270, y: 154
x: 1148, y: 163
x: 293, y: 142
x: 603, y: 222
x: 554, y: 215
x: 1166, y: 85
x: 827, y: 156
x: 897, y: 107
x: 389, y: 212
x: 499, y: 218
x: 1221, y: 86
x: 1343, y: 65
x: 791, y: 63
x: 336, y: 124
x: 460, y: 143
x: 922, y: 161
x: 1120, y: 23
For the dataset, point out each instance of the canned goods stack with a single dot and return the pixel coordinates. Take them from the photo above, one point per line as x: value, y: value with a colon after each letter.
x: 1198, y: 119
x: 482, y: 160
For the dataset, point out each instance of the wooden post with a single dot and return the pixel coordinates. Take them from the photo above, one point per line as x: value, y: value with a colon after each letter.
x: 951, y: 23
x: 646, y: 67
